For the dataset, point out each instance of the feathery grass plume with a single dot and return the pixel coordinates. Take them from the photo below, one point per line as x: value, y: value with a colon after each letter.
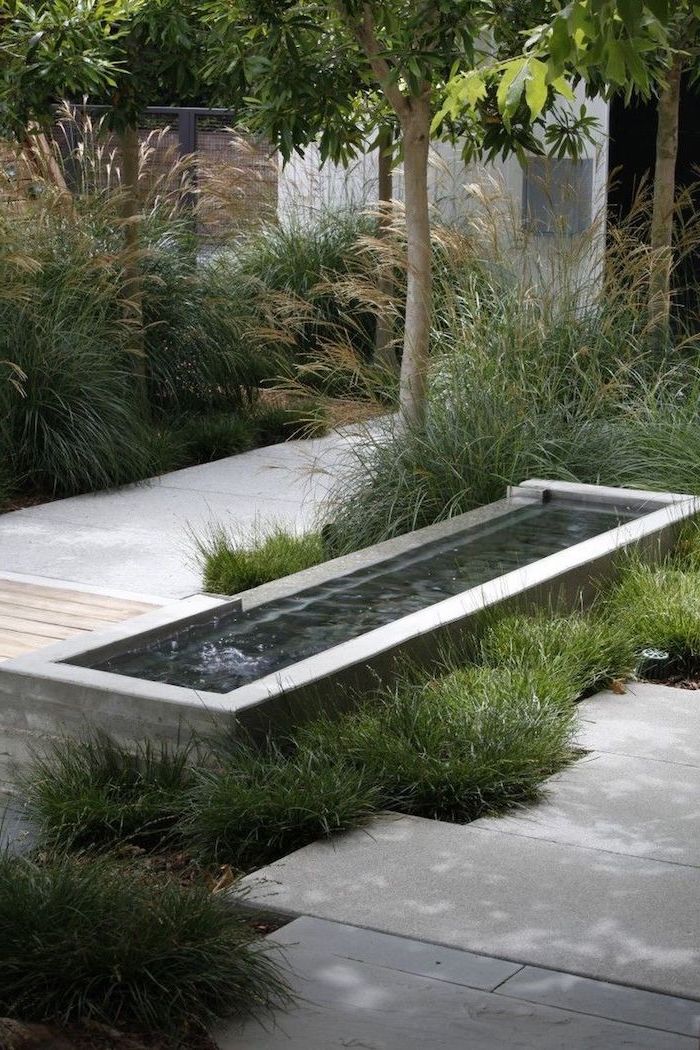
x: 541, y: 365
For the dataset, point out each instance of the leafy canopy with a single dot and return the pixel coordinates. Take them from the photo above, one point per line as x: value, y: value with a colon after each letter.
x: 332, y: 72
x: 126, y: 53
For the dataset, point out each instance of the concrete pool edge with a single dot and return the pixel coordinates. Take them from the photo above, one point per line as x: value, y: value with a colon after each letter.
x: 41, y: 694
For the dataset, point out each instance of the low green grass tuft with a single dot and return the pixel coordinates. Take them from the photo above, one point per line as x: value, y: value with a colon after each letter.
x: 94, y: 792
x: 477, y: 740
x: 659, y: 607
x: 686, y: 553
x: 266, y: 803
x: 586, y: 652
x: 230, y: 565
x: 80, y: 941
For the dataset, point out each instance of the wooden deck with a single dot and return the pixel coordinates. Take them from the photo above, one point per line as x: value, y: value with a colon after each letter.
x: 32, y: 616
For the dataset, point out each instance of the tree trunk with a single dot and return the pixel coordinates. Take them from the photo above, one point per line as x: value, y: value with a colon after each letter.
x: 133, y: 303
x: 384, y: 353
x: 663, y: 207
x: 414, y: 365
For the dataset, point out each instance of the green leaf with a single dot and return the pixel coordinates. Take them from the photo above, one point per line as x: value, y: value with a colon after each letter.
x: 510, y: 89
x: 630, y: 13
x: 659, y: 8
x: 536, y: 90
x: 562, y: 87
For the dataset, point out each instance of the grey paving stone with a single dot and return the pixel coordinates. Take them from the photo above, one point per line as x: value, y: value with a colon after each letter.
x: 636, y: 806
x: 614, y: 1001
x: 603, y: 915
x: 397, y: 953
x: 136, y: 538
x: 344, y: 1003
x: 649, y: 721
x: 16, y: 834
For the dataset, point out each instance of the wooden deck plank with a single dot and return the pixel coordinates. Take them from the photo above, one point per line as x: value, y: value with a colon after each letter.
x: 8, y: 648
x: 17, y: 625
x: 81, y: 597
x: 59, y: 604
x: 58, y: 617
x: 33, y: 616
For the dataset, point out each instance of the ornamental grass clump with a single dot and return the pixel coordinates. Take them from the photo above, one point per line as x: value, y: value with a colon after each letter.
x: 585, y: 652
x: 475, y: 741
x: 265, y: 802
x: 79, y: 941
x: 659, y: 607
x: 231, y: 564
x: 538, y: 368
x: 97, y: 793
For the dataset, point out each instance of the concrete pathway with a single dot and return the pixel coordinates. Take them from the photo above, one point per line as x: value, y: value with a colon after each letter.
x: 362, y: 989
x: 601, y: 880
x: 136, y: 539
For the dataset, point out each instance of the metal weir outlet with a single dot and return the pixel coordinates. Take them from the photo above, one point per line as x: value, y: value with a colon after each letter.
x: 277, y: 654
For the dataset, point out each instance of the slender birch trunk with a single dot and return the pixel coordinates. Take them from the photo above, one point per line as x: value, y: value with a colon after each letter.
x: 663, y: 207
x: 415, y: 123
x: 384, y: 353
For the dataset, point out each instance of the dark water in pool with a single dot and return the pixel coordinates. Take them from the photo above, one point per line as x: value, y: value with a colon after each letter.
x: 228, y: 651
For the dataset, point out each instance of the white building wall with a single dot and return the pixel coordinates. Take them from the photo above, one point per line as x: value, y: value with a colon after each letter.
x: 307, y: 189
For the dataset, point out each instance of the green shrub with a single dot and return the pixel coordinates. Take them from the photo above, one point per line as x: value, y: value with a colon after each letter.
x: 266, y: 803
x: 200, y: 354
x: 276, y: 424
x: 215, y: 436
x: 659, y: 607
x: 299, y: 270
x: 230, y: 566
x: 587, y: 652
x: 472, y: 742
x: 96, y: 792
x: 69, y: 415
x: 80, y: 941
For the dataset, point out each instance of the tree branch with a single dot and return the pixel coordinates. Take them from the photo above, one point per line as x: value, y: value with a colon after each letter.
x: 366, y: 36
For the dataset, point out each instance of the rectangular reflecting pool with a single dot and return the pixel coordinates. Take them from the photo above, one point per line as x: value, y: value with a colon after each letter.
x: 276, y: 655
x: 239, y: 646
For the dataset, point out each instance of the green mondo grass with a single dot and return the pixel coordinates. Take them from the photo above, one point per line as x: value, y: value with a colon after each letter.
x: 586, y: 652
x: 473, y: 741
x: 84, y: 941
x: 97, y: 793
x: 266, y: 802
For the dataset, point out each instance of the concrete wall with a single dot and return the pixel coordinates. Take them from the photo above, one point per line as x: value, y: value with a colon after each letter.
x: 307, y: 189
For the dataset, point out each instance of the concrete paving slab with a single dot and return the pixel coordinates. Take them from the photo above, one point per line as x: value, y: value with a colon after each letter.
x: 640, y: 807
x: 602, y: 915
x: 346, y: 1003
x: 16, y: 834
x: 396, y: 953
x: 137, y: 538
x: 614, y: 1001
x: 648, y: 721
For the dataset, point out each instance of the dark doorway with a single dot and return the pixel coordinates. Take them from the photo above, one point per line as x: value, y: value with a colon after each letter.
x: 632, y: 154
